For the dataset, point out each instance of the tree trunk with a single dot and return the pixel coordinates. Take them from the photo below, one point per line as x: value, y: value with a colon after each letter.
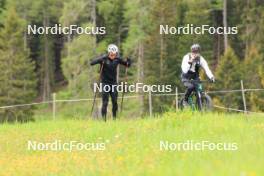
x: 140, y: 74
x: 119, y: 46
x: 90, y: 71
x: 93, y: 18
x: 24, y: 44
x: 162, y: 47
x: 161, y: 55
x: 68, y: 46
x: 225, y: 24
x: 25, y: 33
x: 46, y: 80
x: 247, y: 31
x: 218, y: 47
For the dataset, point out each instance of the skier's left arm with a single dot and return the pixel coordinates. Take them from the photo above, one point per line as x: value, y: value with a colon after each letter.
x: 126, y: 63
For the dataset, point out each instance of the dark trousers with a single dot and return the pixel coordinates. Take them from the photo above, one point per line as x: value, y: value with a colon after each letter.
x: 105, y: 96
x: 190, y: 87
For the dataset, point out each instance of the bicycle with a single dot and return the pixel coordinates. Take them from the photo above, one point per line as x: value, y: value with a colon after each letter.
x: 203, y: 101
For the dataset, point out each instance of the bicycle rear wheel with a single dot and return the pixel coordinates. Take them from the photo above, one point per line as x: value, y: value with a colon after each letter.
x: 180, y: 104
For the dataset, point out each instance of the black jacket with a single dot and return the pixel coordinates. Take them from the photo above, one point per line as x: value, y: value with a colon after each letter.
x: 109, y: 67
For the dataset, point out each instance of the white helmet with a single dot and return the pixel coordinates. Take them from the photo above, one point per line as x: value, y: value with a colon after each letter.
x: 195, y: 47
x: 112, y: 48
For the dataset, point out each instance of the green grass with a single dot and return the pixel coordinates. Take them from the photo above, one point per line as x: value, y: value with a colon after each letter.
x: 133, y: 146
x: 82, y: 110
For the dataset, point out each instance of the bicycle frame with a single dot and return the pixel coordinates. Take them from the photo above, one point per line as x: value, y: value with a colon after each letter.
x: 198, y: 93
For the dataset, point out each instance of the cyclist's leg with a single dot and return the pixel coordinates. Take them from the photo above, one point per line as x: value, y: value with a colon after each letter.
x: 189, y: 88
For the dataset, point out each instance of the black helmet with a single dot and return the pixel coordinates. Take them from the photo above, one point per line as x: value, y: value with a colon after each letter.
x: 196, y: 48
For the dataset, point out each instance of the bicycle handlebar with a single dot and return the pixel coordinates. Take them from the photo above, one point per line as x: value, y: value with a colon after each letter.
x: 201, y: 81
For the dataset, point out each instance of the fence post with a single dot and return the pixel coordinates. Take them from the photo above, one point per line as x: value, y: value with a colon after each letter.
x: 150, y: 104
x: 243, y: 96
x: 54, y: 105
x: 176, y: 99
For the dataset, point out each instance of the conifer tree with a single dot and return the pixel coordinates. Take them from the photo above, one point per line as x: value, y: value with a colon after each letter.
x: 16, y: 70
x: 78, y: 49
x: 228, y: 75
x: 137, y: 15
x: 252, y: 76
x: 75, y: 65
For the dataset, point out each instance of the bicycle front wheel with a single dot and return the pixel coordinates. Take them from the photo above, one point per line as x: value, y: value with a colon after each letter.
x: 207, y: 103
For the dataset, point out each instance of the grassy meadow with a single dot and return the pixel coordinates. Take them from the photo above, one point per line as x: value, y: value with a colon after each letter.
x: 132, y: 147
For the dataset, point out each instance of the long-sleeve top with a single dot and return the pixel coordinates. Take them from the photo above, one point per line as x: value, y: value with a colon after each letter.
x: 191, y: 67
x: 109, y: 68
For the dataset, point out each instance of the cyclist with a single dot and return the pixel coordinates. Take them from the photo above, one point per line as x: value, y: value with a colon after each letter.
x: 109, y: 63
x: 191, y: 64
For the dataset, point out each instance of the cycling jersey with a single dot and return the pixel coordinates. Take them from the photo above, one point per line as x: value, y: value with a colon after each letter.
x: 190, y: 70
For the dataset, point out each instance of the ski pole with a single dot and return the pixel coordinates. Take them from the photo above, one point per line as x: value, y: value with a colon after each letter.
x: 94, y: 98
x: 123, y: 93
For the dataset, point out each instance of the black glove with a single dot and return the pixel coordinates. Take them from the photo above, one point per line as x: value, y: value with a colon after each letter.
x: 129, y: 62
x: 212, y: 80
